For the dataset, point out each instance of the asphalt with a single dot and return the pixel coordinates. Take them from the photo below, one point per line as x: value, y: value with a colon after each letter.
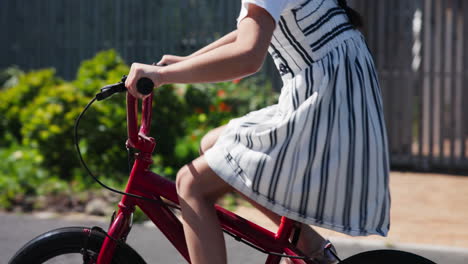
x: 16, y: 230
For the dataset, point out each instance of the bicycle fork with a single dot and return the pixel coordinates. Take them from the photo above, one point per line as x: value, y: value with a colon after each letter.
x: 118, y: 231
x: 121, y: 225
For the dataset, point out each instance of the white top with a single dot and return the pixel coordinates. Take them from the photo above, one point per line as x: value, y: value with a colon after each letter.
x: 274, y: 7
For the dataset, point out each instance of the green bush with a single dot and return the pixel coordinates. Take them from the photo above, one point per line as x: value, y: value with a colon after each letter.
x: 47, y: 120
x: 21, y: 174
x: 39, y: 112
x: 16, y: 98
x: 103, y: 129
x: 105, y: 68
x: 47, y: 125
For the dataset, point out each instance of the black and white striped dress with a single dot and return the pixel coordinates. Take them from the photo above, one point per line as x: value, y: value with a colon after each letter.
x: 319, y: 155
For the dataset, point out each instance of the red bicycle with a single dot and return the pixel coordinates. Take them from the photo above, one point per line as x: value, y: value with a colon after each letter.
x: 146, y: 189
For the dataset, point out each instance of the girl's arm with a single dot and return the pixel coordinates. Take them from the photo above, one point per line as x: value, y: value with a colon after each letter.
x: 226, y: 39
x: 242, y: 57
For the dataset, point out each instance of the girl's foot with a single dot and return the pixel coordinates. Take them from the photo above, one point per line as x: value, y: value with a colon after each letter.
x: 323, y: 256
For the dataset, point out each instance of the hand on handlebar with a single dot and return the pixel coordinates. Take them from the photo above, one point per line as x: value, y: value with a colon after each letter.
x: 138, y: 71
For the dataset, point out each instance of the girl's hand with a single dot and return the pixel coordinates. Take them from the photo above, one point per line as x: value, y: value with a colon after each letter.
x: 170, y: 59
x: 139, y: 70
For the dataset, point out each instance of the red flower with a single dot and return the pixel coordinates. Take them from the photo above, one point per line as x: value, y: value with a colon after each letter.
x: 223, y: 107
x: 212, y: 108
x: 236, y: 81
x: 198, y: 110
x: 221, y: 93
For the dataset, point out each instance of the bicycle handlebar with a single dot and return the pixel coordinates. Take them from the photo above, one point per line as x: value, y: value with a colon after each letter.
x: 144, y: 86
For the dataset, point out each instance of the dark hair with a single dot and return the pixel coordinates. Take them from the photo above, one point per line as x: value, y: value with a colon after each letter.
x: 354, y: 17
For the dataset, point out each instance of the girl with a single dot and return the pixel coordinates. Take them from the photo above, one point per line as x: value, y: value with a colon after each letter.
x: 318, y: 156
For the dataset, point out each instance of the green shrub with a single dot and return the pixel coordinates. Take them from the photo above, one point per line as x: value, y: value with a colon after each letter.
x: 20, y: 173
x: 48, y: 121
x: 47, y: 125
x: 38, y: 115
x: 105, y: 68
x: 16, y: 98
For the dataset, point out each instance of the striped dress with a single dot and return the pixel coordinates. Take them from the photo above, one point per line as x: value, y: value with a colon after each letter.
x: 320, y: 155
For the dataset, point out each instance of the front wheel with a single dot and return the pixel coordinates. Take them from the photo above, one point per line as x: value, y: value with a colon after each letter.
x: 386, y: 257
x: 67, y: 245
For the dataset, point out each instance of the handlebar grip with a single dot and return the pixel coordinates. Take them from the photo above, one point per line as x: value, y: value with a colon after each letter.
x: 145, y: 86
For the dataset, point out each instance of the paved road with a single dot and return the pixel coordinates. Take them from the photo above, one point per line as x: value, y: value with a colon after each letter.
x: 16, y: 230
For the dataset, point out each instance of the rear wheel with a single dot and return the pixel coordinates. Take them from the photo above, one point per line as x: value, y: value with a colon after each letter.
x: 71, y: 245
x: 386, y: 257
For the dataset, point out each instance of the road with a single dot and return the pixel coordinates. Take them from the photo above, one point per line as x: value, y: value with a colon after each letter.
x: 16, y: 230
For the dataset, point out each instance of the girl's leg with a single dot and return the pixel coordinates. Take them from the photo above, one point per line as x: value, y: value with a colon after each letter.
x: 310, y: 242
x: 210, y: 139
x: 198, y: 188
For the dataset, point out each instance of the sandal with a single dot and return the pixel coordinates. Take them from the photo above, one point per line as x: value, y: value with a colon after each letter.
x: 323, y: 256
x: 327, y: 255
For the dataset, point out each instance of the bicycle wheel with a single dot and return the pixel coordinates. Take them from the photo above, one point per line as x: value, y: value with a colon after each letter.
x: 386, y: 257
x: 65, y: 245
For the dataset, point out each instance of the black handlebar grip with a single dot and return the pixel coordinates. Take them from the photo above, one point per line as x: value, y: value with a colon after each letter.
x: 145, y: 86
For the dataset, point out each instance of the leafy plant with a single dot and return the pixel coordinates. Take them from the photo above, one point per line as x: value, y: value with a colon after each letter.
x: 39, y: 112
x: 47, y: 125
x: 20, y: 173
x: 16, y: 98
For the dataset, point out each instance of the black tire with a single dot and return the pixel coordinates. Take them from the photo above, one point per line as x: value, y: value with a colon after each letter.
x: 386, y: 257
x: 69, y: 240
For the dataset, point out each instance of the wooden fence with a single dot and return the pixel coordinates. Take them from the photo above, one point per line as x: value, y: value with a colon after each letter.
x: 420, y: 48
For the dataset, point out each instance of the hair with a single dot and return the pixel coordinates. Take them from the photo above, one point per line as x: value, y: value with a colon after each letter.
x: 354, y: 17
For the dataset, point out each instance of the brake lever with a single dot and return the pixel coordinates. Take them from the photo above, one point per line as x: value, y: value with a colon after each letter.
x: 144, y: 86
x: 111, y: 89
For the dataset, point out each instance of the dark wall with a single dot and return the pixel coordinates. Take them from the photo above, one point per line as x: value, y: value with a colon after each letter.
x: 60, y: 33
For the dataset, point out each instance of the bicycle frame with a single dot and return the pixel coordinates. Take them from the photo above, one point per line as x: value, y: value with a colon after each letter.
x: 148, y: 184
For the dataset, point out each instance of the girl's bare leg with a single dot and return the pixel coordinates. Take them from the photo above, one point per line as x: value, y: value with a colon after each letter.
x: 198, y: 188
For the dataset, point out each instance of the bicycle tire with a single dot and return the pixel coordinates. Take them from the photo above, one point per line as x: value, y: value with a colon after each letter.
x: 69, y: 240
x: 386, y: 256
